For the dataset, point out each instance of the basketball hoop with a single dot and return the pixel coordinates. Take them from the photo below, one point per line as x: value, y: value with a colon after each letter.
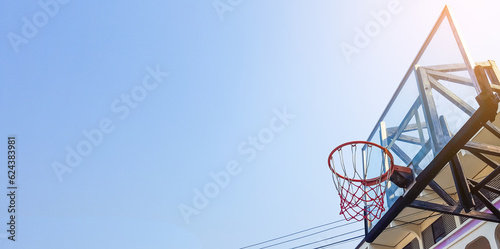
x: 362, y: 186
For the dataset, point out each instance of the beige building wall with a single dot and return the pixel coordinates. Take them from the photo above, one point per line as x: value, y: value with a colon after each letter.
x: 472, y: 234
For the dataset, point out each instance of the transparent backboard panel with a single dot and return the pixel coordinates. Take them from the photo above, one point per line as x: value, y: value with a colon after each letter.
x: 434, y: 100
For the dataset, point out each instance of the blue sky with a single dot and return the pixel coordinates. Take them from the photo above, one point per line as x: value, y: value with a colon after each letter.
x: 178, y: 93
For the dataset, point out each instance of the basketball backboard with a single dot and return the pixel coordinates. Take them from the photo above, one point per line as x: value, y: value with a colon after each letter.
x: 437, y: 123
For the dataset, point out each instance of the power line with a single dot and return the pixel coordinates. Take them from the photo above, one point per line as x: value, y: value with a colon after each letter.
x: 390, y: 228
x: 340, y: 242
x: 337, y: 221
x: 288, y: 235
x: 328, y: 238
x: 286, y: 241
x: 359, y: 236
x: 346, y: 240
x: 308, y: 235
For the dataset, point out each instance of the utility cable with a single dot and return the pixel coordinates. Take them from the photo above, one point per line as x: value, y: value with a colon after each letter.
x: 337, y: 221
x: 328, y: 238
x: 286, y: 241
x: 288, y: 235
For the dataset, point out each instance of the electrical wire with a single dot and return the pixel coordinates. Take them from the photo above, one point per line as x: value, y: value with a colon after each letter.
x: 308, y: 235
x: 286, y: 241
x: 390, y: 228
x: 340, y: 242
x: 288, y: 235
x: 337, y: 221
x: 328, y: 238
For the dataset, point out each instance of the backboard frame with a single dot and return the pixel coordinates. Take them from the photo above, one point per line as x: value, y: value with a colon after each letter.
x: 446, y: 150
